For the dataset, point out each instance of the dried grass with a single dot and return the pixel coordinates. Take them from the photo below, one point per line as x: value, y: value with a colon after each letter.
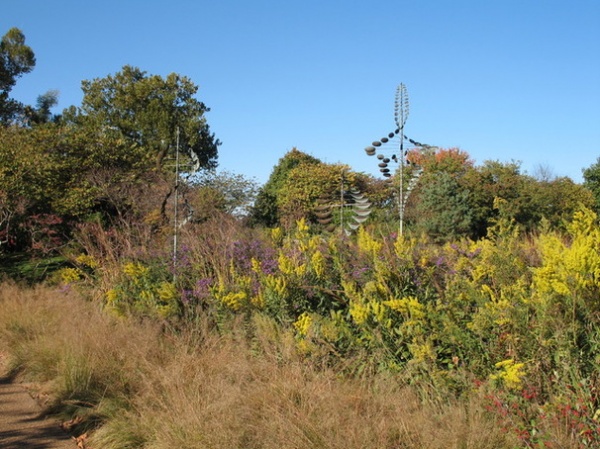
x: 158, y: 390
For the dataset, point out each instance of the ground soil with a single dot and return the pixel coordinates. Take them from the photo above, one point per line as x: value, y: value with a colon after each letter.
x: 23, y: 424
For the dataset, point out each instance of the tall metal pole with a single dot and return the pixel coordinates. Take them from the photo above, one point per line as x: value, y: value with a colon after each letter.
x: 175, y: 218
x: 401, y: 196
x: 400, y: 115
x: 342, y: 200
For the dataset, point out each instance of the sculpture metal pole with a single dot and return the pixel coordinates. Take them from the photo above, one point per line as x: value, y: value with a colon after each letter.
x: 175, y: 217
x: 400, y: 116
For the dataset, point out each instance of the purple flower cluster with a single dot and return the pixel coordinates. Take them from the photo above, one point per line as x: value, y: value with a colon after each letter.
x: 245, y: 251
x: 467, y: 254
x: 202, y: 288
x: 359, y: 273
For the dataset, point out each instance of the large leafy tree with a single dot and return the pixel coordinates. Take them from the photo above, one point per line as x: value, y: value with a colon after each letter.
x: 147, y: 112
x: 266, y: 210
x: 308, y: 183
x: 224, y: 192
x: 443, y: 203
x: 495, y: 179
x: 591, y: 180
x: 34, y: 178
x: 445, y: 207
x: 16, y: 59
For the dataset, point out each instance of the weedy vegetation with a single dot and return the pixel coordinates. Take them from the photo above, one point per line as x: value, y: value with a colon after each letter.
x: 293, y: 338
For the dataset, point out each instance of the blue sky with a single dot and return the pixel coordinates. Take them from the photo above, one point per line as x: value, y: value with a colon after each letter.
x: 502, y: 80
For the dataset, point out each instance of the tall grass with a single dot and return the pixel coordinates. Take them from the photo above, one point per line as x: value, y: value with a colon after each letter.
x: 141, y: 386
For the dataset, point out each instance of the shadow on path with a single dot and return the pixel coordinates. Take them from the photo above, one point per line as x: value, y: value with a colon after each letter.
x: 22, y: 423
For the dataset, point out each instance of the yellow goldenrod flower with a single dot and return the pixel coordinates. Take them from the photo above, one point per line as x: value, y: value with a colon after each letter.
x: 112, y: 296
x: 134, y: 270
x: 234, y: 300
x: 303, y: 323
x: 255, y: 265
x: 85, y: 260
x: 300, y: 270
x: 286, y: 265
x: 359, y: 312
x: 69, y: 275
x: 510, y: 375
x: 317, y: 262
x: 167, y: 292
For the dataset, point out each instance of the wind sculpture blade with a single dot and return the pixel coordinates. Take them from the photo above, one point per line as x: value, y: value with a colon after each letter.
x: 323, y: 213
x: 354, y: 199
x: 361, y: 209
x: 411, y: 185
x: 401, y: 108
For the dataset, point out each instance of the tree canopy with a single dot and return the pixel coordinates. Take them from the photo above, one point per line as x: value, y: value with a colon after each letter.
x: 147, y: 111
x: 16, y: 59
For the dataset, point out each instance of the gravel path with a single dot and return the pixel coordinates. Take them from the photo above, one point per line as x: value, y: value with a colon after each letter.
x: 22, y: 423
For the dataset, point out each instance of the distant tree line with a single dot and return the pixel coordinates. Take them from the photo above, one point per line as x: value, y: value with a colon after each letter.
x: 111, y: 161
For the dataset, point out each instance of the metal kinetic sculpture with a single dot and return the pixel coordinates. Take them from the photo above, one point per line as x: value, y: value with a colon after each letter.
x: 350, y: 198
x: 401, y: 111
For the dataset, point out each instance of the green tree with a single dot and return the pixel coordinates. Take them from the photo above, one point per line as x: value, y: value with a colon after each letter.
x: 306, y: 184
x: 149, y: 112
x: 495, y: 179
x: 225, y: 192
x: 42, y: 112
x: 442, y: 204
x: 558, y: 199
x: 591, y: 180
x: 32, y: 181
x: 265, y: 211
x: 16, y: 59
x: 444, y: 207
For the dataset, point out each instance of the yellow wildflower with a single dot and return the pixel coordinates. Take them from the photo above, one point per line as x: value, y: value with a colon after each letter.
x: 317, y: 261
x: 276, y: 284
x: 301, y: 226
x: 277, y: 235
x: 258, y: 300
x: 286, y: 265
x: 303, y: 323
x: 234, y: 301
x: 366, y: 242
x: 112, y: 296
x: 300, y: 270
x: 422, y: 352
x: 88, y: 261
x: 167, y: 292
x: 510, y: 375
x: 359, y: 312
x: 255, y: 265
x: 134, y: 270
x: 69, y: 275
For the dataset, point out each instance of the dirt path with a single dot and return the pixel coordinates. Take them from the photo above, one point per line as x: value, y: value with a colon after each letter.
x: 22, y: 423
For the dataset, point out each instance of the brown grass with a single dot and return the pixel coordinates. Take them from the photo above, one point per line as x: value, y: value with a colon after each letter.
x: 158, y: 390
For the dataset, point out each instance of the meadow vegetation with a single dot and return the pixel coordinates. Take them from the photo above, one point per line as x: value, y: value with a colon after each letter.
x: 293, y: 338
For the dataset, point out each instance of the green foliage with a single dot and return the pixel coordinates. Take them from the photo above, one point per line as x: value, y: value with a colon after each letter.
x: 444, y: 207
x: 143, y: 291
x: 226, y: 192
x: 146, y: 111
x: 591, y: 180
x: 266, y: 211
x: 41, y: 113
x: 16, y: 59
x: 452, y: 183
x: 305, y: 184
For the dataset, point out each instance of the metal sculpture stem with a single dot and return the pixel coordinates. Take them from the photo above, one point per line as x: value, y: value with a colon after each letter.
x: 401, y: 196
x: 401, y: 114
x: 175, y: 218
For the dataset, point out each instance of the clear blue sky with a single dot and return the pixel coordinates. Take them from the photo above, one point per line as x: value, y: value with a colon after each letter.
x: 502, y: 80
